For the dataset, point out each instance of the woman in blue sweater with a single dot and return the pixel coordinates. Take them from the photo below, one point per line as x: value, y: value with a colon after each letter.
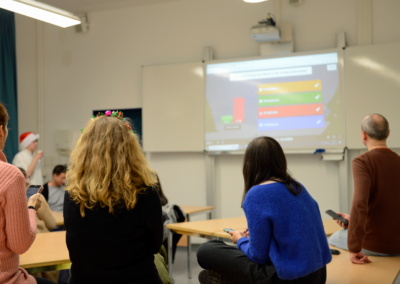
x: 285, y: 241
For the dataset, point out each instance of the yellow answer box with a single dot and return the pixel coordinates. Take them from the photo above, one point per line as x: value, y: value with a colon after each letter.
x: 289, y: 87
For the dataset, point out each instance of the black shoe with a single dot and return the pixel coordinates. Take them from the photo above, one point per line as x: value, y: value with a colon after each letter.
x: 212, y: 277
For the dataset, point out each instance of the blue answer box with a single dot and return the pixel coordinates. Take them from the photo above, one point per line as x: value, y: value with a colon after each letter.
x: 294, y: 122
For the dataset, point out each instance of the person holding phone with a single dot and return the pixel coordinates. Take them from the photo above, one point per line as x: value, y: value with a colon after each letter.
x: 374, y: 222
x: 44, y: 218
x: 112, y: 210
x: 285, y: 241
x: 17, y: 217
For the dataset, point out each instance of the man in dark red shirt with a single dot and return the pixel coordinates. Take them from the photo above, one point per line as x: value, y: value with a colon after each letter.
x: 374, y: 223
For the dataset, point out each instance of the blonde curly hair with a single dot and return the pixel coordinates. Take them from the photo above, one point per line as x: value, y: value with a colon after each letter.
x: 108, y: 166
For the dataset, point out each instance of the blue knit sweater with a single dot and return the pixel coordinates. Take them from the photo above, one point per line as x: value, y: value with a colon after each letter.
x: 286, y: 230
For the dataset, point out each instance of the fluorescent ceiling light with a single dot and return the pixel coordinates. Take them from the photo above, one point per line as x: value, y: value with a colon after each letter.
x: 254, y: 1
x: 41, y: 11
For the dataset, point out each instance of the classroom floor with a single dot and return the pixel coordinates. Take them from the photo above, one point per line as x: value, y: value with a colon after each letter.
x: 180, y: 274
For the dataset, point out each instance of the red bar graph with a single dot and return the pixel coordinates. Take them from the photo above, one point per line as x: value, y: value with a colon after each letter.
x: 238, y: 110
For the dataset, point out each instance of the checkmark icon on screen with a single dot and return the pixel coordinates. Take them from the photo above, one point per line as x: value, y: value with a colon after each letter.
x: 318, y: 109
x: 317, y: 97
x: 318, y: 121
x: 316, y: 85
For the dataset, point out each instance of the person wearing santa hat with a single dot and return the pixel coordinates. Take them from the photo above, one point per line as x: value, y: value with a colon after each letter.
x: 27, y: 160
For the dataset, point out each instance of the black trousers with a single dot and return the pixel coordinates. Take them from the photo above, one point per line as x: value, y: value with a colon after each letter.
x: 44, y: 281
x: 234, y: 265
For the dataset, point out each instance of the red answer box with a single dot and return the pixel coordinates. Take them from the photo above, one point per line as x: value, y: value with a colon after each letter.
x: 294, y: 110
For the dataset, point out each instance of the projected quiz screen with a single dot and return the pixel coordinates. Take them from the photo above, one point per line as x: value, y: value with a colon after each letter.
x: 297, y: 100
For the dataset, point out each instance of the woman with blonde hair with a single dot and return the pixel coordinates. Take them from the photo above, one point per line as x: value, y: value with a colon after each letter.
x: 112, y: 212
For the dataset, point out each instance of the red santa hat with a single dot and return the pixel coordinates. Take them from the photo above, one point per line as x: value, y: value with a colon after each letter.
x: 27, y: 138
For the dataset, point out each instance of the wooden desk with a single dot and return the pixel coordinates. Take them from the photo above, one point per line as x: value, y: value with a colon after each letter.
x: 59, y: 218
x: 208, y: 228
x: 214, y: 228
x: 192, y: 210
x: 382, y: 270
x: 48, y: 252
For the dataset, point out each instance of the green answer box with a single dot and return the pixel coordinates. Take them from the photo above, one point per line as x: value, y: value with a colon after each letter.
x: 290, y: 99
x: 226, y: 119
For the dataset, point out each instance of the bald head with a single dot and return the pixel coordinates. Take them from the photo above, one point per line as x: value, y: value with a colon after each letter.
x: 376, y: 126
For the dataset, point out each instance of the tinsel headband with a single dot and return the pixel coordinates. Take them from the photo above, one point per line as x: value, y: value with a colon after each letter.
x: 116, y: 114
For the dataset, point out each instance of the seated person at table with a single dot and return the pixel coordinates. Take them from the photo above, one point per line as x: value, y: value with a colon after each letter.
x: 53, y: 191
x: 112, y: 212
x: 374, y: 222
x: 44, y: 218
x: 285, y: 241
x: 17, y: 218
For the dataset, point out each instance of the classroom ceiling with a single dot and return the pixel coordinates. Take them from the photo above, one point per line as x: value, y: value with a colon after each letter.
x: 80, y: 6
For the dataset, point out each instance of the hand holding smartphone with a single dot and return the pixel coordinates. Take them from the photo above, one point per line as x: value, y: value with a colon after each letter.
x: 228, y: 230
x: 32, y: 190
x: 337, y: 217
x: 33, y: 197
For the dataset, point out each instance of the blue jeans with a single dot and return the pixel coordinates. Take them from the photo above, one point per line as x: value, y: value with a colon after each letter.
x: 339, y: 240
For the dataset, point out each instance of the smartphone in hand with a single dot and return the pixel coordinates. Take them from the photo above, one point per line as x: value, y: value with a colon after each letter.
x: 337, y: 217
x: 228, y: 230
x: 32, y: 190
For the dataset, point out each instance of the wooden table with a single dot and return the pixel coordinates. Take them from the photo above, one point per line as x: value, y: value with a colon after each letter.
x: 59, y: 218
x: 208, y: 228
x: 193, y: 210
x: 214, y: 229
x: 48, y: 252
x: 382, y: 270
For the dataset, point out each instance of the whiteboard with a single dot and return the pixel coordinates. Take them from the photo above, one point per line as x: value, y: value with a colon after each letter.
x: 173, y: 108
x: 372, y: 85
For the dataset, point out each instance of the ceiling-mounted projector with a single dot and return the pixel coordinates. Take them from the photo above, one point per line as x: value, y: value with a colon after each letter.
x: 265, y: 31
